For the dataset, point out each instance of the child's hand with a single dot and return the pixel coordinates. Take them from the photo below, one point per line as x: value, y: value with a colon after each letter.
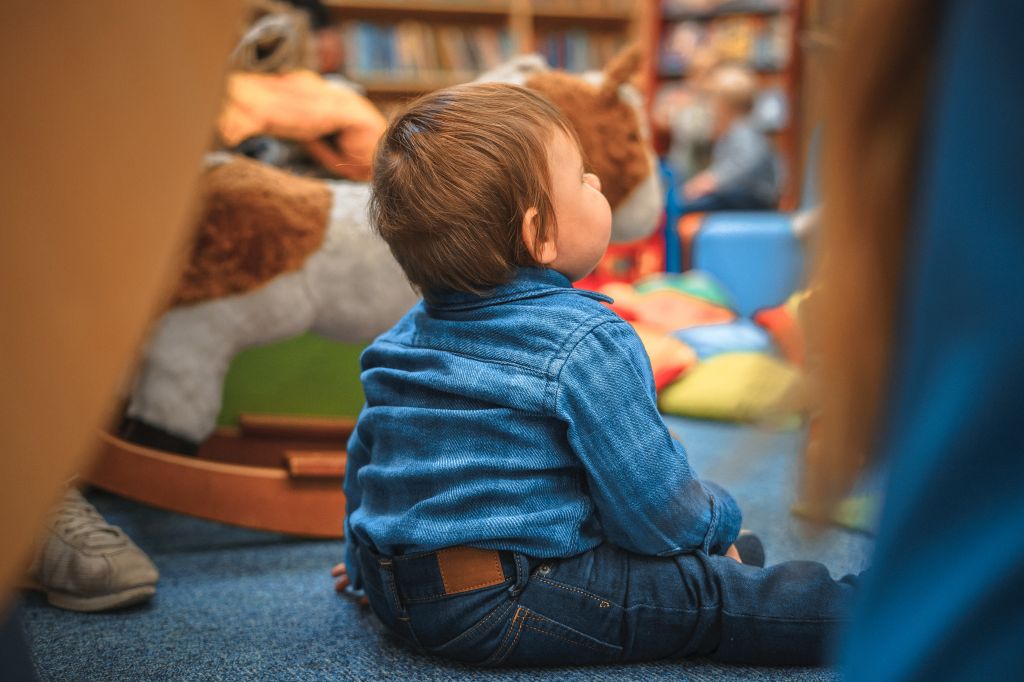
x: 700, y: 185
x: 342, y: 583
x: 733, y: 553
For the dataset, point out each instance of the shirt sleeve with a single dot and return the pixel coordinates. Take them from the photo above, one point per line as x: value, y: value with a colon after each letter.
x: 647, y: 498
x: 357, y: 457
x: 738, y: 159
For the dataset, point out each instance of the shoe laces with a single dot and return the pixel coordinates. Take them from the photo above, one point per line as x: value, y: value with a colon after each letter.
x: 80, y: 523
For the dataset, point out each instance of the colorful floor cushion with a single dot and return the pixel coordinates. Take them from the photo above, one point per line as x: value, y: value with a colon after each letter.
x: 670, y: 358
x: 735, y: 387
x: 665, y: 309
x: 783, y: 323
x: 694, y: 282
x: 736, y: 336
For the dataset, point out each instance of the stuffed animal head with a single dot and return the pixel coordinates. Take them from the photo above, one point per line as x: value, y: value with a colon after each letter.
x: 607, y: 113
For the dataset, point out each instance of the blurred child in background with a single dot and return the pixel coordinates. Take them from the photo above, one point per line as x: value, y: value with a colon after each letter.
x: 744, y: 173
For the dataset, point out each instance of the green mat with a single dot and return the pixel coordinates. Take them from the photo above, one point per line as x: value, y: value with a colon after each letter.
x: 308, y: 375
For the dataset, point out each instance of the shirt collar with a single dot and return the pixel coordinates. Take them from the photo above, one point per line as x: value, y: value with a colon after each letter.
x: 528, y: 282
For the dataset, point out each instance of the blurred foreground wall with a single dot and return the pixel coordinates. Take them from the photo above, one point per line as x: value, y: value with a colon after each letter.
x: 108, y: 107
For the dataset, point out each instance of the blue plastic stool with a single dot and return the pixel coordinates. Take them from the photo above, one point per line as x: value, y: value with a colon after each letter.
x: 754, y: 254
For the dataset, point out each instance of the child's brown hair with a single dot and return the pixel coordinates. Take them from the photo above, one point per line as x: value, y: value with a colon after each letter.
x: 453, y: 177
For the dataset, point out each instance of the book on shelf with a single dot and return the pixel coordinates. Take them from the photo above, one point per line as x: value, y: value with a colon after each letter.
x: 582, y: 6
x: 577, y: 49
x: 490, y: 6
x: 762, y: 43
x: 412, y: 50
x: 703, y: 9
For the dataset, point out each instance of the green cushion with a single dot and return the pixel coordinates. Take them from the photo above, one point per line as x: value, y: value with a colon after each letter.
x: 694, y: 282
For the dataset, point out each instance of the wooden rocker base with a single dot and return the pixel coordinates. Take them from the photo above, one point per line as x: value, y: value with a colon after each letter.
x: 279, y: 474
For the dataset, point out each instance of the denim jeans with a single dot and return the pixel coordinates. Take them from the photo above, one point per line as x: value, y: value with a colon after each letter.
x: 724, y: 202
x: 607, y: 605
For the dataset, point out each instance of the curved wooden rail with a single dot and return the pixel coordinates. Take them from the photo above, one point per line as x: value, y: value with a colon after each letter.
x: 302, y: 496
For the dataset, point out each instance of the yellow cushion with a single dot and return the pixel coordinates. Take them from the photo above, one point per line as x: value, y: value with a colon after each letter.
x: 733, y: 386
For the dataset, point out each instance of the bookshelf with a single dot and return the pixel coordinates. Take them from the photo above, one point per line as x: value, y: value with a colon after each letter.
x: 397, y: 49
x: 757, y: 33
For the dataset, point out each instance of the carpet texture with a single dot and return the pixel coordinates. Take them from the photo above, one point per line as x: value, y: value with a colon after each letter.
x: 235, y: 604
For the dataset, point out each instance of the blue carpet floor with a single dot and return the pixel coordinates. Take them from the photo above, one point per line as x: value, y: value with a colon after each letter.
x: 235, y: 604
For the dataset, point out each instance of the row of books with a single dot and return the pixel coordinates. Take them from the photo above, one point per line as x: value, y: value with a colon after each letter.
x: 408, y: 50
x: 578, y: 50
x: 597, y: 6
x: 761, y: 42
x: 623, y: 6
x: 711, y: 8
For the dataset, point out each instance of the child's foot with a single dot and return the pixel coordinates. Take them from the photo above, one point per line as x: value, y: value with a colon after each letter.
x: 751, y: 549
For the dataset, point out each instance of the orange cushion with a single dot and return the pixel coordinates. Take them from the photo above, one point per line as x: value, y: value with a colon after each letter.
x: 670, y: 357
x: 665, y: 309
x: 783, y: 324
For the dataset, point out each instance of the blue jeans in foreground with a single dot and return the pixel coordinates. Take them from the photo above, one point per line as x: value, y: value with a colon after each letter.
x: 610, y: 606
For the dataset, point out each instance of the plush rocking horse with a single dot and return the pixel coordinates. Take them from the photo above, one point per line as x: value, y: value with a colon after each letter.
x: 276, y: 255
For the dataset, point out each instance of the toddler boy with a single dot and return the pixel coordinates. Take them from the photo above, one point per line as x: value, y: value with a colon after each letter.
x: 514, y: 497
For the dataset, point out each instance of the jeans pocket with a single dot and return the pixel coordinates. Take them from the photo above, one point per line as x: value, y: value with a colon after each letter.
x: 533, y: 639
x: 478, y: 642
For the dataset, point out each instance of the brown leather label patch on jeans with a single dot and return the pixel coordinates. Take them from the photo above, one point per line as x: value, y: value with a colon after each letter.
x: 468, y: 568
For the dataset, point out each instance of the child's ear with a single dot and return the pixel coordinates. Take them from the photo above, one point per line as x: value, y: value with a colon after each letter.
x: 544, y: 252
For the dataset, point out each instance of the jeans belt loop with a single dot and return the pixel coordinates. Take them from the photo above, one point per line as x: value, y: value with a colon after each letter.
x: 522, y: 574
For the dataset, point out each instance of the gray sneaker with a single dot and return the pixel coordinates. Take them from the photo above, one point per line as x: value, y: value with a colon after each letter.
x: 85, y: 564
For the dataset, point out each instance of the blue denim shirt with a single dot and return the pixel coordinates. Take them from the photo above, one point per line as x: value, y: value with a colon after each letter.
x: 523, y: 420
